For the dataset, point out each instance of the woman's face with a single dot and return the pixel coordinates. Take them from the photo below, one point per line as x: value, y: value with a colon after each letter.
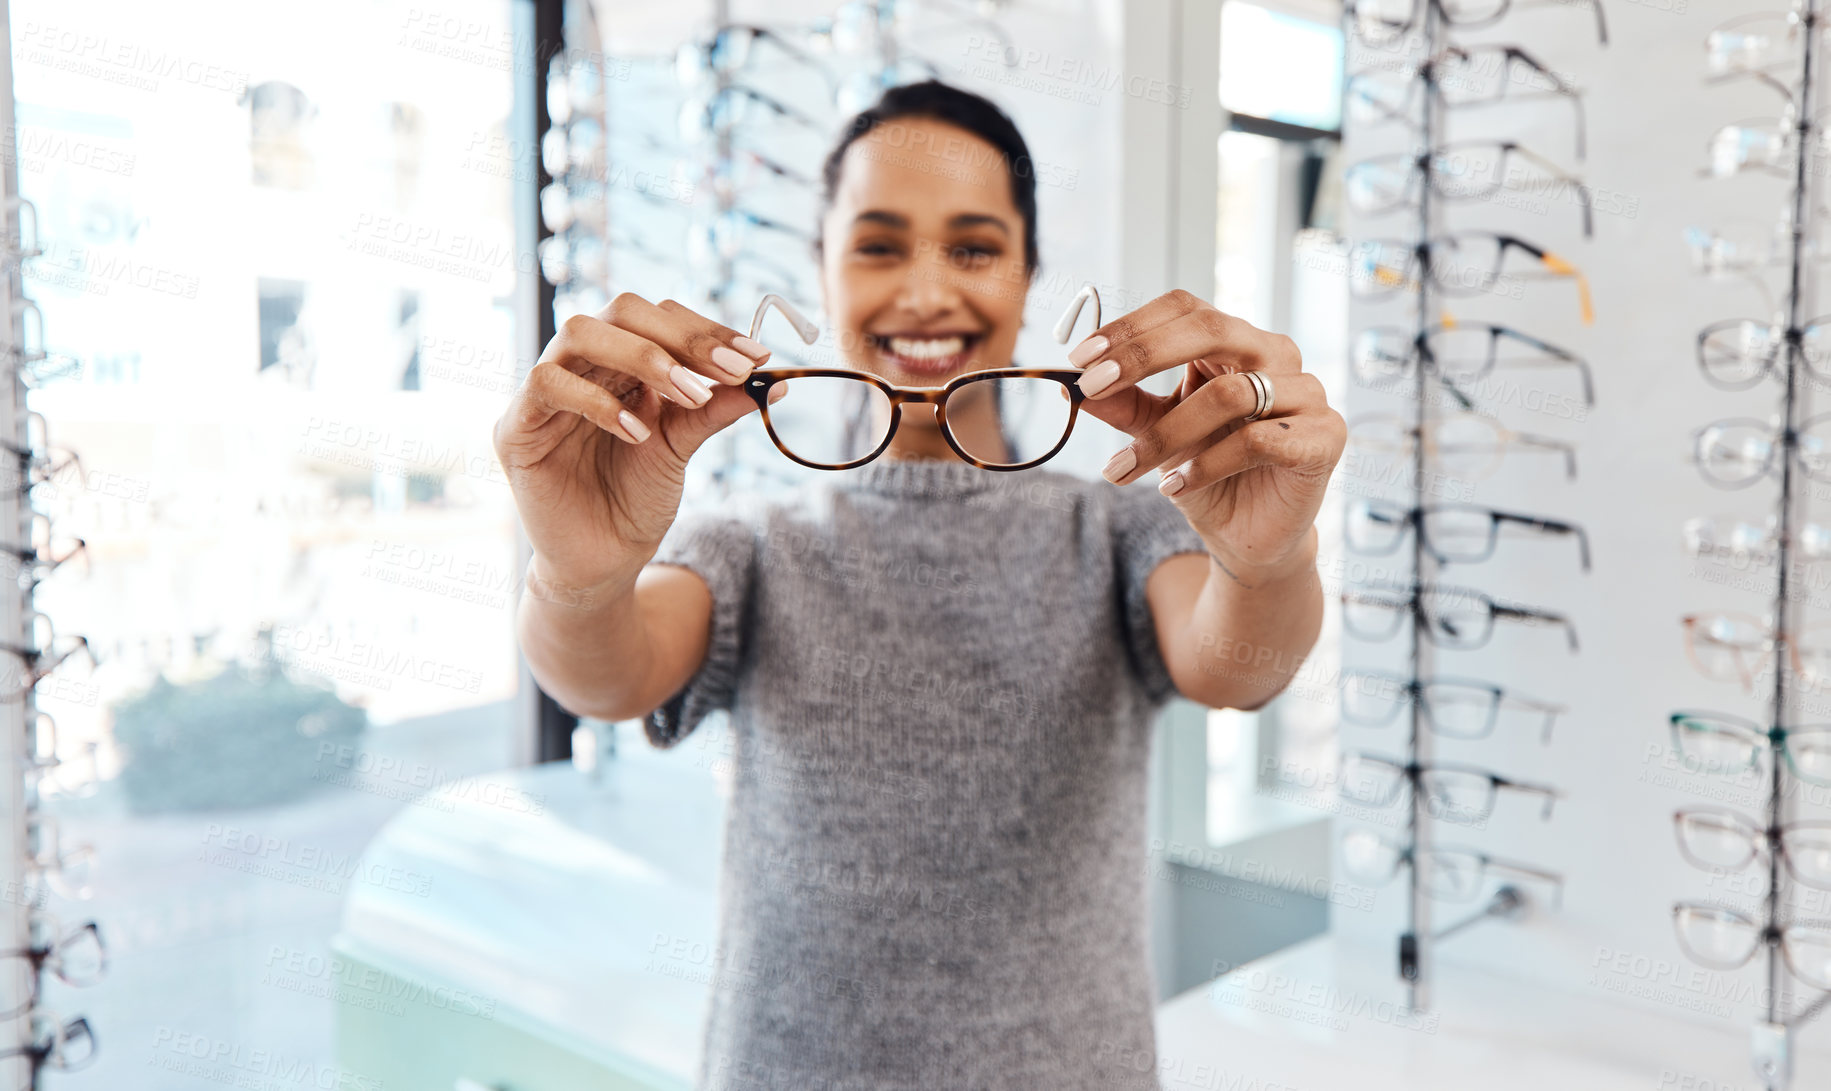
x: 922, y: 261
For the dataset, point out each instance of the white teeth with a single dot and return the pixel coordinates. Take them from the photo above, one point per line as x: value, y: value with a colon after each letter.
x: 926, y: 348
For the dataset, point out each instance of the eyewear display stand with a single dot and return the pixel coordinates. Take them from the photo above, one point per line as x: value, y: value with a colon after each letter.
x: 1440, y: 171
x: 1786, y: 1007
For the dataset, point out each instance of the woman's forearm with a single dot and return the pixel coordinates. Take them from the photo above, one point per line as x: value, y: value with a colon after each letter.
x: 588, y: 647
x: 1250, y: 630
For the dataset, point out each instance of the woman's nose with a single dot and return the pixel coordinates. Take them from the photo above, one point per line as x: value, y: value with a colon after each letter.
x: 929, y: 289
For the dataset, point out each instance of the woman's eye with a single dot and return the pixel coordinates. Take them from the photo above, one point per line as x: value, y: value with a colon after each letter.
x: 974, y: 254
x: 877, y: 248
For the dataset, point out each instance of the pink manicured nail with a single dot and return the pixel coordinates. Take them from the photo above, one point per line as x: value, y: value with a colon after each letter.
x: 750, y: 348
x: 1120, y: 465
x: 691, y: 386
x: 731, y: 363
x: 633, y: 423
x: 1099, y: 378
x: 1172, y: 483
x: 1089, y: 349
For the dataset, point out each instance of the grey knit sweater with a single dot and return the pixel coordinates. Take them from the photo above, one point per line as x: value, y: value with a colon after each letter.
x: 940, y: 682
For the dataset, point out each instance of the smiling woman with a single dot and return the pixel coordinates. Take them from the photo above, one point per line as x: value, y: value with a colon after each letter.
x: 941, y: 681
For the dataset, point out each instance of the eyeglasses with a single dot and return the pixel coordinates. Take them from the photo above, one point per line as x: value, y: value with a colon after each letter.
x: 1736, y: 453
x: 1456, y: 793
x: 64, y: 1046
x: 838, y: 418
x: 1716, y: 742
x: 1722, y: 840
x: 729, y: 50
x: 1738, y: 353
x: 1461, y: 76
x: 1466, y: 170
x: 1454, y: 617
x: 1455, y: 708
x: 1464, y: 444
x: 1739, y: 648
x: 735, y: 106
x: 1725, y: 939
x: 1755, y: 44
x: 1458, y: 353
x: 1768, y: 145
x: 1451, y: 872
x: 78, y: 958
x: 1745, y: 542
x: 1452, y: 533
x: 1464, y: 264
x: 1382, y: 22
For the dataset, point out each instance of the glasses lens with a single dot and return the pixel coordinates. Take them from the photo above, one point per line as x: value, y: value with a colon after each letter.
x: 1374, y: 614
x: 1717, y: 746
x: 1472, y: 76
x: 1468, y: 12
x: 1456, y: 796
x: 829, y: 418
x: 80, y: 959
x: 1460, y: 534
x: 1369, y: 857
x: 1734, y: 452
x: 1808, y: 852
x: 1453, y: 874
x: 1456, y: 619
x: 1462, y: 710
x: 1379, y: 96
x: 1808, y: 952
x: 1378, y: 185
x: 1467, y: 444
x: 75, y: 1046
x: 1719, y: 938
x: 1382, y: 355
x: 1750, y: 45
x: 1369, y: 780
x: 1371, y: 700
x: 1713, y: 840
x: 1374, y: 526
x: 1465, y: 352
x: 1009, y: 421
x: 1744, y: 543
x: 1377, y: 268
x: 1467, y: 171
x: 1381, y: 21
x: 1813, y: 447
x: 1465, y: 264
x: 1809, y: 752
x: 1736, y: 355
x: 1742, y: 147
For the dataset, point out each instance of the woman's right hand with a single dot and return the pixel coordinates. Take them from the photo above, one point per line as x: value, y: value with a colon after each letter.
x: 595, y: 443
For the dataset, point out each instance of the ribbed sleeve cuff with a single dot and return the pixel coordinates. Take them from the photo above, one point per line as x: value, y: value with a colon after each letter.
x: 721, y: 552
x: 1147, y: 528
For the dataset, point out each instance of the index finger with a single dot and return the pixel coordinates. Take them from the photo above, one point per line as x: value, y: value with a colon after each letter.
x: 1131, y: 352
x: 698, y: 342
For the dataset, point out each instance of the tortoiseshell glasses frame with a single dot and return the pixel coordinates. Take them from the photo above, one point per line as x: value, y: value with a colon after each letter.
x: 762, y: 379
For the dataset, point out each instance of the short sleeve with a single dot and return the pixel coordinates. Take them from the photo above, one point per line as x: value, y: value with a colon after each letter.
x: 1146, y: 528
x: 720, y: 545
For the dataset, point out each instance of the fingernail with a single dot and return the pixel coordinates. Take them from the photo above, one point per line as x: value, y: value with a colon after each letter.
x: 750, y: 348
x: 1172, y: 483
x: 1121, y: 465
x: 731, y: 363
x: 1099, y: 378
x: 1089, y: 349
x: 633, y: 423
x: 691, y: 386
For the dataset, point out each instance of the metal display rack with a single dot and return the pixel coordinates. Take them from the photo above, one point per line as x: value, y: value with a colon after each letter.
x: 1435, y: 177
x: 1727, y: 459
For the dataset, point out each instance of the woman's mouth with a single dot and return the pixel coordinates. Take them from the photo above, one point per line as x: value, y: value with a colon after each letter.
x: 927, y: 355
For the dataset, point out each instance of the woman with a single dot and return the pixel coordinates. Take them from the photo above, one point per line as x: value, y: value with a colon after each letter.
x: 941, y: 679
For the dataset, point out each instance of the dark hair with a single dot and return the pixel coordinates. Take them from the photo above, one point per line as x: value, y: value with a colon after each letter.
x: 938, y: 101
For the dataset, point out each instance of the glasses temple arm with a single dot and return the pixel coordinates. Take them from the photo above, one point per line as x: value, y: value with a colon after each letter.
x: 804, y: 329
x: 1065, y: 327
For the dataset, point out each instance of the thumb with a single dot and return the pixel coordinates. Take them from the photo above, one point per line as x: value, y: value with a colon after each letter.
x: 689, y: 429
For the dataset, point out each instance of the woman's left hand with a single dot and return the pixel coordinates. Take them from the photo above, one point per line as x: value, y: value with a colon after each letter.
x: 1251, y: 489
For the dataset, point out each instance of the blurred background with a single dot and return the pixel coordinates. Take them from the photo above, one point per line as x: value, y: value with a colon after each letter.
x: 295, y: 259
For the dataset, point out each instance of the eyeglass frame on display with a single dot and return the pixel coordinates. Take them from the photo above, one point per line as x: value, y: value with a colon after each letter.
x: 1413, y: 773
x: 1414, y: 523
x: 1405, y: 854
x: 1416, y: 170
x: 1411, y: 688
x: 1495, y: 610
x: 1761, y: 838
x: 1421, y: 354
x: 1399, y: 30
